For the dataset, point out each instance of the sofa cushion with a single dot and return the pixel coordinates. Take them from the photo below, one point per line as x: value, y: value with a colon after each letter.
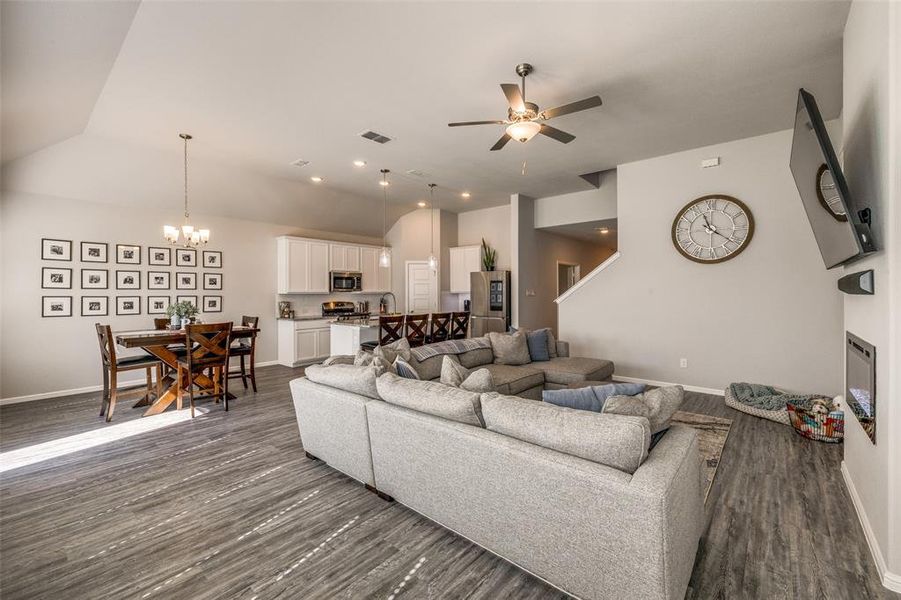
x: 391, y: 351
x: 510, y: 348
x: 551, y: 343
x: 510, y: 379
x: 590, y: 397
x: 564, y: 371
x: 538, y: 348
x: 479, y: 380
x: 356, y: 379
x: 433, y: 398
x: 403, y: 368
x: 657, y: 405
x: 476, y: 358
x: 617, y: 441
x: 452, y: 372
x: 339, y: 359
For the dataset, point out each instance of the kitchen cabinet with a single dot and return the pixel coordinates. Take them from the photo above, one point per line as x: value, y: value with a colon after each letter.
x: 303, y: 341
x: 344, y: 257
x: 302, y: 266
x: 376, y: 278
x: 463, y: 261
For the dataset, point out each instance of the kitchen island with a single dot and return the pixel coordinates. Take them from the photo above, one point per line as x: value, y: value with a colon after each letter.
x: 346, y: 336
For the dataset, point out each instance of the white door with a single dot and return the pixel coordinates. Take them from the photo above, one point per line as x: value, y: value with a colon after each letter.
x: 422, y: 288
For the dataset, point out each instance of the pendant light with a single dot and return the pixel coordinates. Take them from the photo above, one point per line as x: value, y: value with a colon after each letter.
x: 433, y: 260
x: 385, y: 254
x: 191, y: 237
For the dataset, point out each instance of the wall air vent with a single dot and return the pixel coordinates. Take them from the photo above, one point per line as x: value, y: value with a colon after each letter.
x: 300, y: 162
x: 375, y: 137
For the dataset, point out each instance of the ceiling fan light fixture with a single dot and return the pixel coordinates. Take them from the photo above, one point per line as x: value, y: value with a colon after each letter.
x: 523, y: 131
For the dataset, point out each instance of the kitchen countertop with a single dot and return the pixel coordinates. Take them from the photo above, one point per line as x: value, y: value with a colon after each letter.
x: 306, y: 318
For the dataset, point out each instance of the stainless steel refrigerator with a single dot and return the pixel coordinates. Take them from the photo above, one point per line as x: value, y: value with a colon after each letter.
x: 490, y: 293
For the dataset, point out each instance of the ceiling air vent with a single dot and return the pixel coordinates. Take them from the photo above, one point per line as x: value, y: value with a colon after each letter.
x: 415, y: 173
x: 300, y: 162
x: 375, y: 137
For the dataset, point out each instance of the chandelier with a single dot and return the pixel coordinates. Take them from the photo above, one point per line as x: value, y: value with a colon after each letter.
x: 191, y: 238
x: 385, y: 254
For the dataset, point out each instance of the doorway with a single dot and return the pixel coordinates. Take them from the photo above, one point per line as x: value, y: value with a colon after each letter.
x: 568, y: 274
x: 422, y: 287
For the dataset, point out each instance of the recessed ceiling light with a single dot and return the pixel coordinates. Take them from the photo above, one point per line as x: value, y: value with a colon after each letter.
x: 602, y: 230
x: 359, y: 163
x: 383, y: 182
x: 316, y: 179
x: 465, y: 194
x: 420, y: 204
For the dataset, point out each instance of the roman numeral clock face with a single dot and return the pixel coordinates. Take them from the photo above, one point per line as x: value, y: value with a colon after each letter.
x: 713, y: 229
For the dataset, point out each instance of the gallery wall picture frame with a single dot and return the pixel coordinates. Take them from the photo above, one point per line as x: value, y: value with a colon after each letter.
x: 158, y: 280
x: 53, y: 249
x: 212, y: 281
x: 212, y: 259
x: 94, y: 279
x: 212, y: 304
x: 94, y: 252
x: 159, y: 257
x: 128, y: 305
x: 191, y: 299
x: 128, y: 254
x: 185, y: 257
x: 56, y: 306
x: 128, y: 280
x: 185, y: 280
x: 94, y: 306
x: 56, y: 278
x: 157, y: 305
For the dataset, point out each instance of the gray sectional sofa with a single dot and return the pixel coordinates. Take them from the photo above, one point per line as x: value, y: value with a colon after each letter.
x: 574, y: 497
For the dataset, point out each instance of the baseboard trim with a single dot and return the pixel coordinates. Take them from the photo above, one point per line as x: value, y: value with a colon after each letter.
x: 90, y: 388
x: 891, y: 581
x: 688, y: 388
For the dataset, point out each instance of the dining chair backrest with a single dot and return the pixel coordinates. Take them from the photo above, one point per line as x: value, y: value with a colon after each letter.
x: 390, y: 329
x: 107, y: 345
x: 160, y: 323
x: 209, y: 344
x: 415, y: 330
x: 250, y: 321
x: 439, y: 327
x: 459, y: 325
x: 247, y: 321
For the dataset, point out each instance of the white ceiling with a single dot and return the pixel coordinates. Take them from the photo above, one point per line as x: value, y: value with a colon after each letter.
x: 261, y: 84
x: 588, y: 232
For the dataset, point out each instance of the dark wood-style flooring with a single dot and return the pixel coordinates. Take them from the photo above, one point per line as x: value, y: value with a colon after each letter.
x: 227, y: 506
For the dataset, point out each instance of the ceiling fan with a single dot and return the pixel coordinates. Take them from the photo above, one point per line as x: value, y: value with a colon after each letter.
x: 524, y: 120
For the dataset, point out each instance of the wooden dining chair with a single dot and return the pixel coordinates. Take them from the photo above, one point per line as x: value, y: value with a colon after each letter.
x: 391, y: 329
x: 161, y: 323
x: 439, y: 327
x: 209, y: 350
x: 415, y: 329
x: 245, y: 347
x: 459, y: 325
x: 113, y: 365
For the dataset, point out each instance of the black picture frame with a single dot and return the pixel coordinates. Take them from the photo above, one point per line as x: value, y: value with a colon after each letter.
x: 152, y: 300
x: 216, y: 309
x: 86, y: 311
x: 215, y: 256
x: 121, y: 309
x: 64, y: 302
x: 185, y: 257
x: 123, y: 284
x: 192, y: 299
x: 128, y: 254
x: 154, y: 284
x: 54, y: 249
x: 48, y: 275
x: 179, y: 285
x: 206, y: 282
x: 89, y: 256
x: 158, y: 256
x: 101, y: 284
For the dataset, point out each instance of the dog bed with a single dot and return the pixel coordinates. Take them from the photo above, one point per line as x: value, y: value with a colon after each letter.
x: 778, y: 416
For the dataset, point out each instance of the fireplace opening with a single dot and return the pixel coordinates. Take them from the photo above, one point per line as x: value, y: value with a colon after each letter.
x: 860, y: 378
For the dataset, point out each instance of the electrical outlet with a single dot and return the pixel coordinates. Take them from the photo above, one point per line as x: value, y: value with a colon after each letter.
x: 530, y: 292
x: 683, y: 363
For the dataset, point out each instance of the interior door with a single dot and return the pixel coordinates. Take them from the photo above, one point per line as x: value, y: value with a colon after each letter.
x: 422, y: 288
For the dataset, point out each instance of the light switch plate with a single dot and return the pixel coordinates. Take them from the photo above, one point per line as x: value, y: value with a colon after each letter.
x: 710, y: 162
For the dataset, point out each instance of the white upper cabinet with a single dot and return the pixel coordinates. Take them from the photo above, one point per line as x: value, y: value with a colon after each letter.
x: 375, y: 277
x: 463, y: 261
x: 302, y: 266
x: 344, y: 257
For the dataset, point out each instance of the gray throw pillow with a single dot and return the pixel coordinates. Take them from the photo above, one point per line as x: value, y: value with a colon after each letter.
x: 590, y: 397
x: 382, y: 366
x: 391, y: 351
x: 359, y: 380
x: 538, y: 348
x: 510, y: 349
x: 657, y: 405
x: 404, y: 369
x: 551, y: 344
x: 479, y: 380
x: 363, y: 358
x: 339, y: 359
x: 452, y: 372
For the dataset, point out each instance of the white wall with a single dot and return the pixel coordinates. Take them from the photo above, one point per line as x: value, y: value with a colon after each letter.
x: 492, y: 224
x: 871, y: 158
x: 579, y: 207
x: 41, y: 355
x: 770, y: 315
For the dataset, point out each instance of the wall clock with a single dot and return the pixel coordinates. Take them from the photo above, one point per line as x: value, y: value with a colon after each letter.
x: 713, y: 229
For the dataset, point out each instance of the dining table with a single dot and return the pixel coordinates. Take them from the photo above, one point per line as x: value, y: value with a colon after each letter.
x: 164, y: 345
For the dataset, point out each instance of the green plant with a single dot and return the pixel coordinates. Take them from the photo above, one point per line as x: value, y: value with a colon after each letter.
x: 183, y: 309
x: 489, y: 256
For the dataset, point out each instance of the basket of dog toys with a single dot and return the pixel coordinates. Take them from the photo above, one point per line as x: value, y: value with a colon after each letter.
x: 820, y: 420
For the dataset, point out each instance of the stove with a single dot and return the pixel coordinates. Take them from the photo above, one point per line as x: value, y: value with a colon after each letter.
x: 343, y: 311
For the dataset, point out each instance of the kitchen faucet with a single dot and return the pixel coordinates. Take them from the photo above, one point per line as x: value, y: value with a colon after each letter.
x: 384, y: 305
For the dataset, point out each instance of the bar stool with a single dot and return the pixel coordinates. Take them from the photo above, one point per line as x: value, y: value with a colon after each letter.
x: 415, y: 329
x: 459, y: 325
x: 439, y: 327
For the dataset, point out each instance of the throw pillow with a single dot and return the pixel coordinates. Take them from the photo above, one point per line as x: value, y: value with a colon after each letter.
x: 359, y: 380
x: 391, y: 351
x: 452, y: 372
x: 590, y: 398
x: 405, y: 369
x: 382, y: 366
x: 538, y: 346
x: 551, y: 344
x: 363, y: 358
x: 480, y: 381
x: 509, y: 349
x: 339, y: 359
x: 657, y: 405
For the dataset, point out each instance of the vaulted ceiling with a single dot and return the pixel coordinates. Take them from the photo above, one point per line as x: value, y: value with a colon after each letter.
x: 261, y: 84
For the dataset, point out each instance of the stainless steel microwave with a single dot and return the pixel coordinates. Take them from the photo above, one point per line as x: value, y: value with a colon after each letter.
x: 346, y: 281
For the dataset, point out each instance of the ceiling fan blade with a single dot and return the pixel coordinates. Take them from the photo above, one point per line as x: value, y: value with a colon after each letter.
x: 572, y: 107
x: 464, y: 123
x: 553, y: 132
x: 514, y: 97
x: 501, y: 142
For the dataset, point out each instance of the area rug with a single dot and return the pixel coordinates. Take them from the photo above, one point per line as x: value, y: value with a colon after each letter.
x: 712, y: 434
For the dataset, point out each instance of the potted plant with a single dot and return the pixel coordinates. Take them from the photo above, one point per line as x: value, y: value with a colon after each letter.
x: 181, y: 313
x: 489, y: 256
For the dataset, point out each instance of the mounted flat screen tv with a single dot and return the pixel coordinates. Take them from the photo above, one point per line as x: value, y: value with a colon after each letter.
x: 842, y: 232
